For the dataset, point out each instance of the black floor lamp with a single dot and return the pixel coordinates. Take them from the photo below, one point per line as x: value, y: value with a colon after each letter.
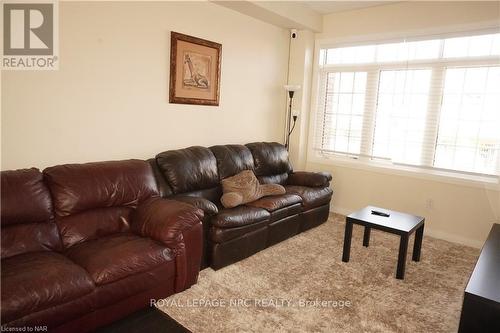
x: 289, y: 114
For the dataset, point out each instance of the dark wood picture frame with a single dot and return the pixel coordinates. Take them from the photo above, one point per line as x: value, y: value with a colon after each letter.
x: 213, y: 84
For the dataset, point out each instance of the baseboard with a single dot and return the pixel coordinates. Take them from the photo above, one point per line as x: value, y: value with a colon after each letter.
x: 339, y: 210
x: 453, y: 238
x: 428, y: 231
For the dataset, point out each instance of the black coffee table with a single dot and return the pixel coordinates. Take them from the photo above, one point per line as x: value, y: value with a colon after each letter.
x: 396, y: 223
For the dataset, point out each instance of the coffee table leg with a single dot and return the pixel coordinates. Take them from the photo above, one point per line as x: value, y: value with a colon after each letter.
x: 403, y: 249
x: 417, y: 245
x: 366, y: 236
x: 347, y: 242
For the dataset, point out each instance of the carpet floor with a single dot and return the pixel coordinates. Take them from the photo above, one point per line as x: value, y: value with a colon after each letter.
x: 301, y: 285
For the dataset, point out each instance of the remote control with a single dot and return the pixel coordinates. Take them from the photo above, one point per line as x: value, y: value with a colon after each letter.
x: 376, y: 212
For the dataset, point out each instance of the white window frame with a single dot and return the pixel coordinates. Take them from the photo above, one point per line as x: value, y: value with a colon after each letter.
x: 366, y: 163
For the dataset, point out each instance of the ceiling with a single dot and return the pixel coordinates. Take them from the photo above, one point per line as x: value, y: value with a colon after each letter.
x: 302, y: 15
x: 328, y: 7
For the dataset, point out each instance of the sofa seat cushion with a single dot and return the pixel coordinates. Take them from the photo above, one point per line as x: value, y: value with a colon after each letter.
x: 118, y: 256
x: 115, y: 292
x: 221, y: 235
x: 239, y: 216
x: 311, y: 196
x: 275, y: 202
x: 286, y: 212
x: 35, y: 281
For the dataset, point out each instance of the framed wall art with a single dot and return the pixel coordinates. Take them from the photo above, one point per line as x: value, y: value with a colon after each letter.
x: 194, y: 70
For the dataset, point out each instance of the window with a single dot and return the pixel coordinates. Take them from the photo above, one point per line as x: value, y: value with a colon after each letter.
x: 400, y: 114
x: 469, y: 126
x: 344, y: 109
x: 429, y: 103
x: 483, y: 45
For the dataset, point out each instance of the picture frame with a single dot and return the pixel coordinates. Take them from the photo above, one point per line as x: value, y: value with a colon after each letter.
x: 195, y: 67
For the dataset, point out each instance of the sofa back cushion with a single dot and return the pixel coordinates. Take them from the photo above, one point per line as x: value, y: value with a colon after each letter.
x: 26, y: 214
x: 163, y: 188
x: 271, y: 162
x: 232, y: 159
x: 97, y: 199
x: 212, y: 194
x: 189, y: 170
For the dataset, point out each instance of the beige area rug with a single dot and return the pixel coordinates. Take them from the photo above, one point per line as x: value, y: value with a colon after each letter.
x: 268, y: 291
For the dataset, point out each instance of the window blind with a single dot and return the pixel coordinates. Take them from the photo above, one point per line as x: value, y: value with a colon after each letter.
x: 427, y: 103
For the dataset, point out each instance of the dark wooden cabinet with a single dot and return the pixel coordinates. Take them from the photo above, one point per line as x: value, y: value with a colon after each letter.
x: 481, y: 307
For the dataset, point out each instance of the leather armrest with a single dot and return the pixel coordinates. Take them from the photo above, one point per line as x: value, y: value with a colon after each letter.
x: 208, y: 207
x: 178, y: 226
x: 311, y: 179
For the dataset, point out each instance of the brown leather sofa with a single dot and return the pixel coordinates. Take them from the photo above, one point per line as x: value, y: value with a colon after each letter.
x: 193, y: 175
x: 83, y: 245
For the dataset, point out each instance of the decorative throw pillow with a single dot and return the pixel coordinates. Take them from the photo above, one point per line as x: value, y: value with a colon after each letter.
x: 244, y: 188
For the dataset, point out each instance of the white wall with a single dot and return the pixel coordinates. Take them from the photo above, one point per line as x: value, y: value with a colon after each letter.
x: 109, y: 99
x: 460, y: 213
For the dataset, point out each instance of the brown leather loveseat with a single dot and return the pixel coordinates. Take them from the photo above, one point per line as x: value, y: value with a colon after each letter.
x: 193, y: 175
x: 85, y: 244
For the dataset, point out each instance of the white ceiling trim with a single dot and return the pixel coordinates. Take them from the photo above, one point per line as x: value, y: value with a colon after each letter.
x: 285, y: 14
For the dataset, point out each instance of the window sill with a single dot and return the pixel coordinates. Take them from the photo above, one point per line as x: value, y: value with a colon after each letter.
x: 484, y: 182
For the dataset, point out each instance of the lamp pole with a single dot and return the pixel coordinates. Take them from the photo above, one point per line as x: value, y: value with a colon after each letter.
x: 288, y: 118
x: 288, y: 131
